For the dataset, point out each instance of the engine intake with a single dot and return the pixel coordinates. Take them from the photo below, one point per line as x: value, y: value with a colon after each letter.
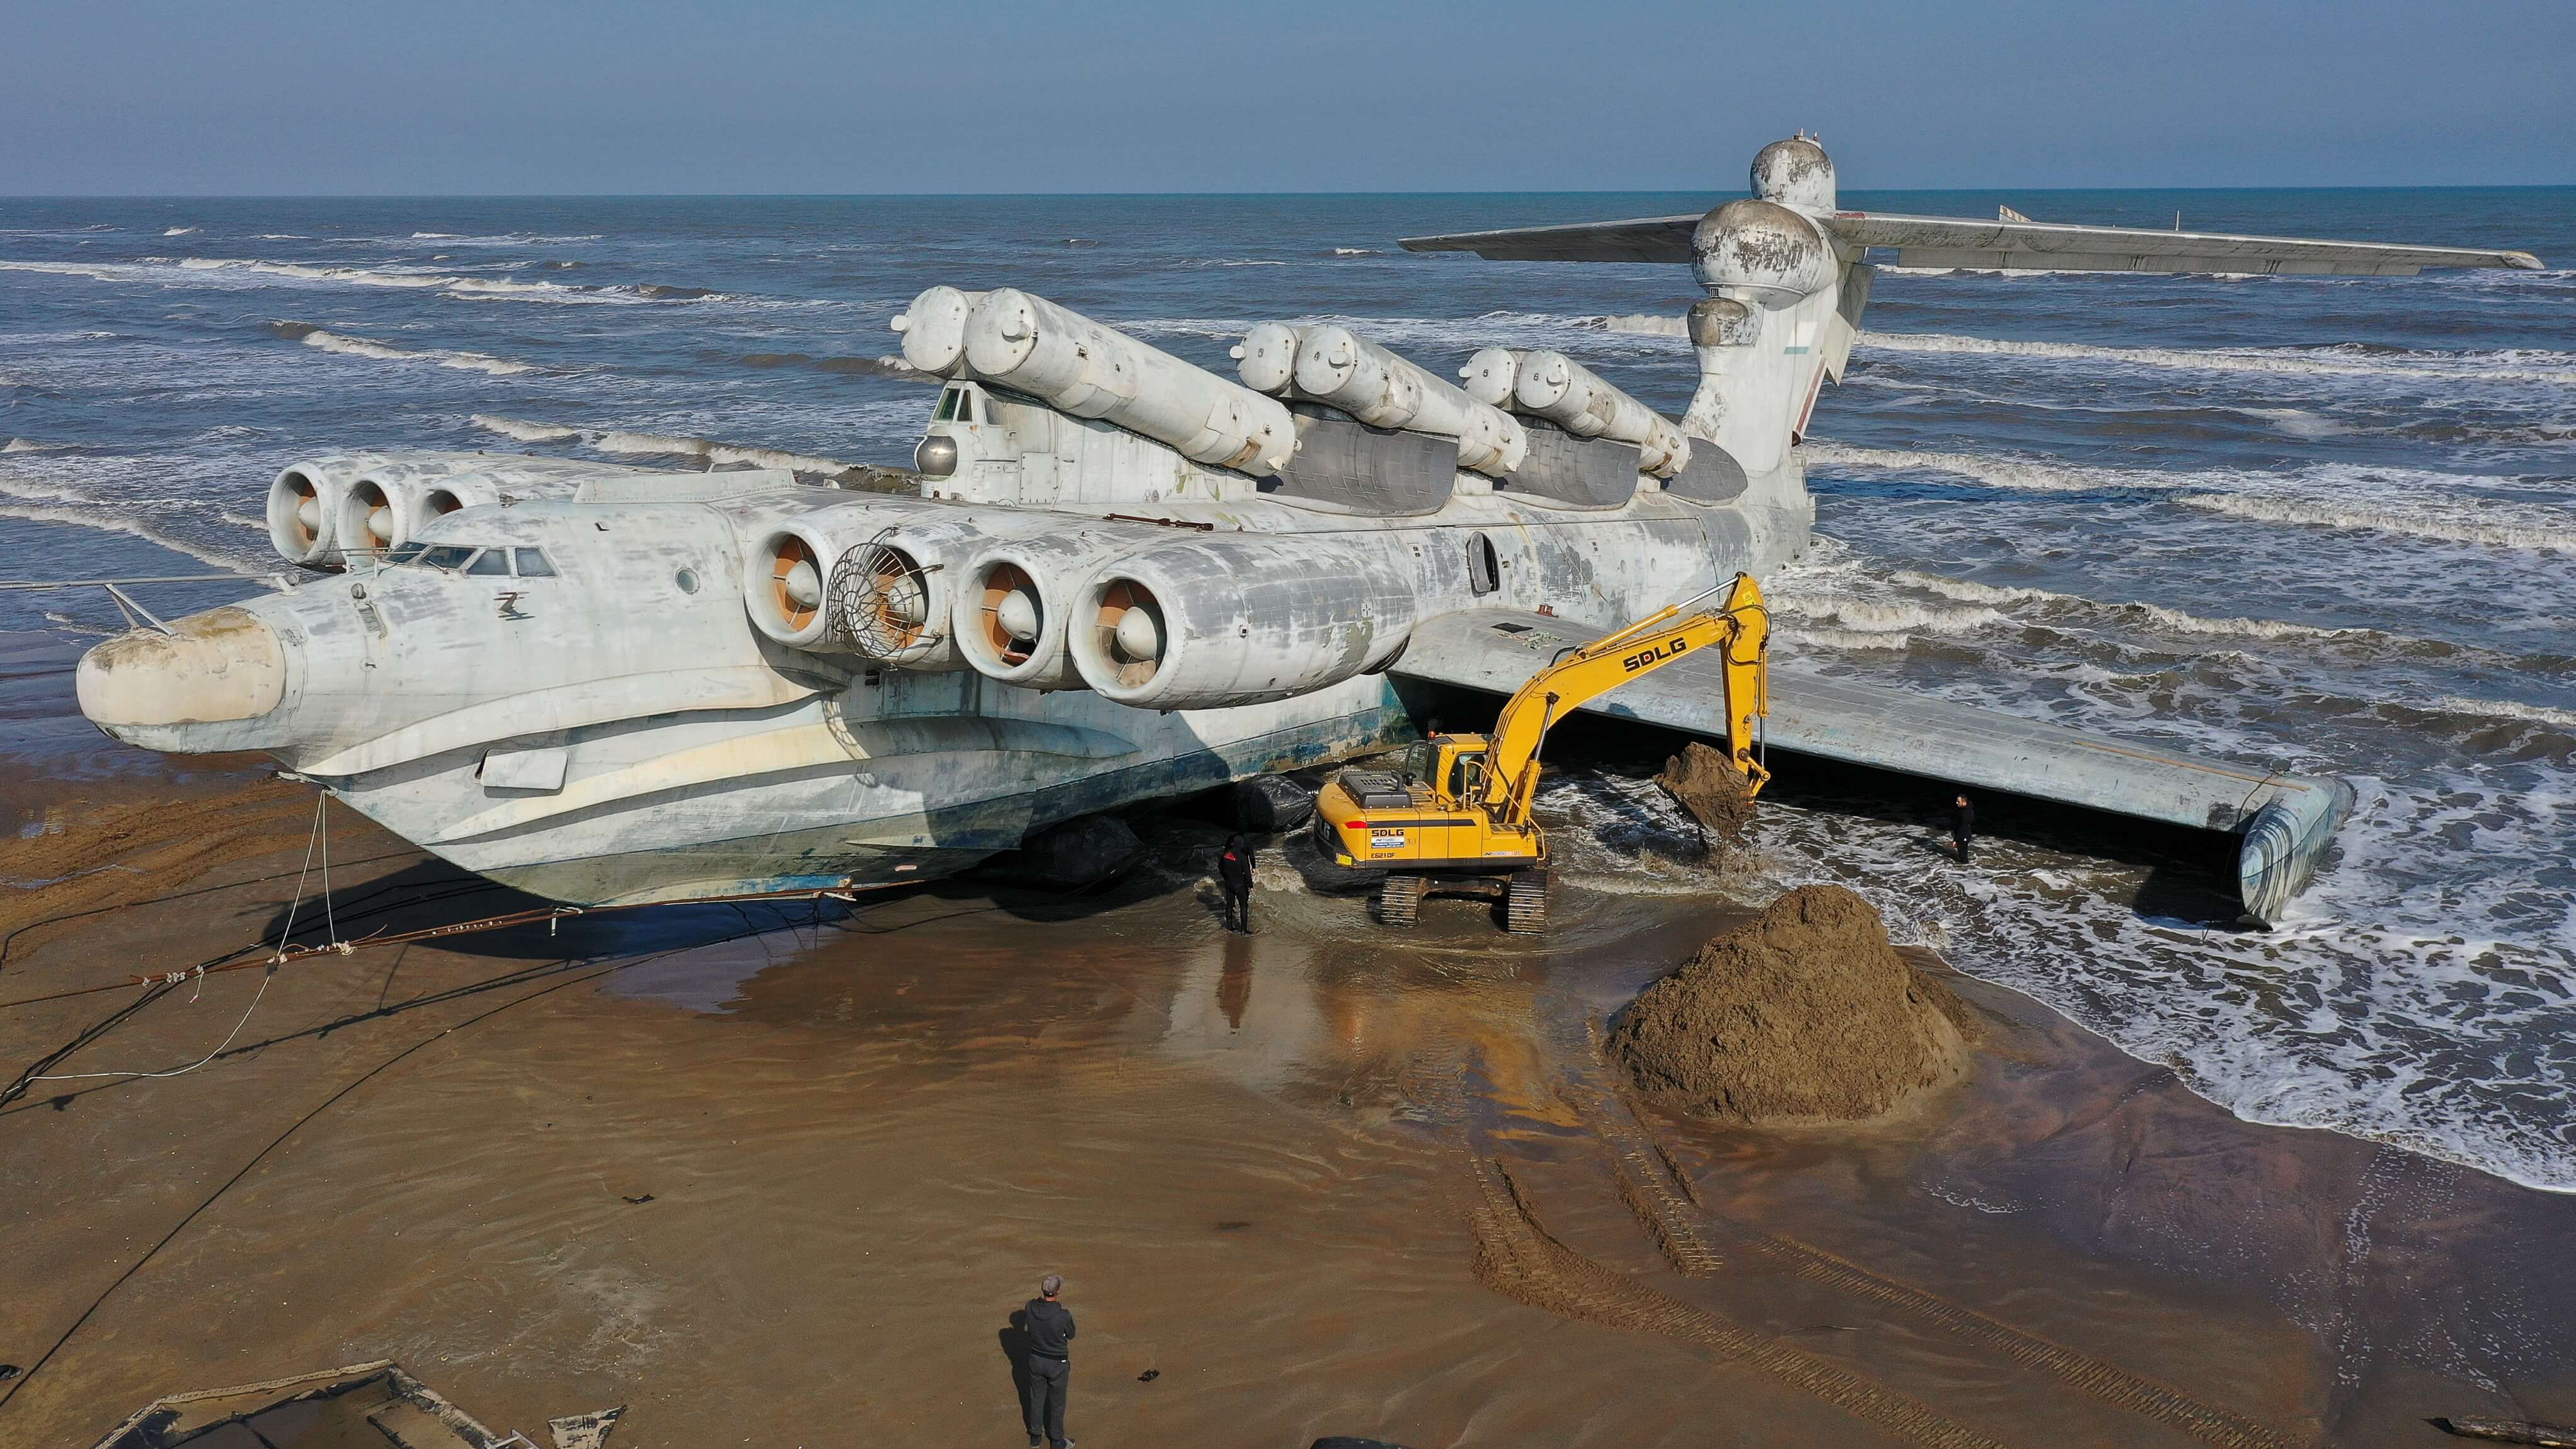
x: 1012, y: 611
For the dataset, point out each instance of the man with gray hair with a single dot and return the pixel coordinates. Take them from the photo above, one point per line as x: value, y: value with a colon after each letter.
x: 1050, y: 1330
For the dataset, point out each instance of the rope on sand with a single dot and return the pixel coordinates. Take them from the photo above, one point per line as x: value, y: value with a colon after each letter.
x: 319, y: 839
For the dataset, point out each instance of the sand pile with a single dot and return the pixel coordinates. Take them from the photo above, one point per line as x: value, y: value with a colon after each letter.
x: 1805, y: 1011
x: 1717, y: 795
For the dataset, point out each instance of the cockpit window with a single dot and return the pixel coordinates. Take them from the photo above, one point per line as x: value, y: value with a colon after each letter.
x: 965, y: 406
x: 947, y: 406
x: 404, y: 553
x: 533, y: 565
x: 490, y: 562
x: 446, y: 555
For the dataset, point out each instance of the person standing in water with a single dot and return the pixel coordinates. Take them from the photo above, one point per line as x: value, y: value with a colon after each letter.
x: 1234, y: 872
x: 1963, y: 826
x: 1050, y: 1330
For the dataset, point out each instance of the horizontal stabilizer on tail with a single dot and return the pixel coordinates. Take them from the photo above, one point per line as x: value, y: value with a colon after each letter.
x: 2286, y: 821
x: 2000, y: 245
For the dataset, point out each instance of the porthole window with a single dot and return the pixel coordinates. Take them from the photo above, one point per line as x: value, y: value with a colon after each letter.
x: 687, y: 579
x: 1484, y: 566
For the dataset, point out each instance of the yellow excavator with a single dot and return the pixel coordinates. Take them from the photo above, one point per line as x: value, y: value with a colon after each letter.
x: 1459, y: 812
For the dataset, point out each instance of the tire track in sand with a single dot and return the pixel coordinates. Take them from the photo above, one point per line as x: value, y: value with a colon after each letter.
x: 1517, y: 1258
x: 1633, y: 1146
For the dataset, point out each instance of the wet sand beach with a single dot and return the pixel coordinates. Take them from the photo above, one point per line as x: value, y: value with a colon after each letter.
x: 776, y: 1175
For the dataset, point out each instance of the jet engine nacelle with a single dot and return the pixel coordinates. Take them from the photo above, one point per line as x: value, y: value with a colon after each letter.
x: 873, y: 579
x: 308, y: 502
x: 390, y: 503
x: 1010, y: 610
x: 1772, y: 255
x: 302, y: 504
x: 1216, y: 623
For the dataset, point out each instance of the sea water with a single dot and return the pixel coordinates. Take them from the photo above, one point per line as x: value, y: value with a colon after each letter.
x: 2319, y: 524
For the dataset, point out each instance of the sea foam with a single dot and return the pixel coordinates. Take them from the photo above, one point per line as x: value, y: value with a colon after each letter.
x: 348, y: 346
x: 2515, y: 365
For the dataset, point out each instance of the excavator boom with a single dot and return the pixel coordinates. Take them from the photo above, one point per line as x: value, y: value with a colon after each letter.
x: 1740, y: 625
x: 1459, y: 811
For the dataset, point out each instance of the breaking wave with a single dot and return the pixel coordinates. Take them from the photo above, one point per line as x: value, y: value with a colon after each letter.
x: 630, y: 443
x: 2129, y: 611
x: 2448, y: 527
x: 1851, y: 615
x: 2513, y: 365
x: 2506, y: 709
x: 165, y: 270
x: 96, y: 272
x: 2025, y: 474
x: 42, y: 502
x: 888, y: 366
x: 1647, y: 324
x: 348, y: 346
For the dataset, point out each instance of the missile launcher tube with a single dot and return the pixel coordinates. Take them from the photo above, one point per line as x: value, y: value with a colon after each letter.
x: 1554, y: 386
x: 1491, y: 374
x: 1338, y: 368
x: 934, y: 330
x: 1266, y: 358
x: 1026, y: 343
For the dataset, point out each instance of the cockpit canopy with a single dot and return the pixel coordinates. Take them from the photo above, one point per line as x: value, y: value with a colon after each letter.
x: 476, y: 562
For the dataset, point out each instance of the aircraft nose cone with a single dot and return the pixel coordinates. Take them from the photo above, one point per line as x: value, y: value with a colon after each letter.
x: 225, y: 664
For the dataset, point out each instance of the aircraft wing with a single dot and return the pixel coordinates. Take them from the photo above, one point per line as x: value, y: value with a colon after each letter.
x: 2285, y: 821
x: 2004, y: 245
x: 1646, y: 239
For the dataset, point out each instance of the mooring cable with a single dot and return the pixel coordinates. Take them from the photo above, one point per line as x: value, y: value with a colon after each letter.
x: 574, y: 964
x: 320, y: 836
x: 262, y: 1155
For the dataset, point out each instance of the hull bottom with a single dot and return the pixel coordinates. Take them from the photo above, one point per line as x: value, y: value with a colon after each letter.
x: 876, y: 852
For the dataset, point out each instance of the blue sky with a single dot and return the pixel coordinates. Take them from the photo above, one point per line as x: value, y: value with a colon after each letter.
x: 994, y: 95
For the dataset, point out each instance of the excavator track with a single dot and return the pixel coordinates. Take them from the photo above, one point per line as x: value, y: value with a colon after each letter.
x: 1399, y: 900
x: 1525, y: 903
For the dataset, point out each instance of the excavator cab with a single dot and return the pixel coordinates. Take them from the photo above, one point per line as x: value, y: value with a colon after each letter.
x: 1457, y: 809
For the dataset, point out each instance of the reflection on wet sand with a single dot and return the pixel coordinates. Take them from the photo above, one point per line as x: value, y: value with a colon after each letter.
x: 753, y: 1170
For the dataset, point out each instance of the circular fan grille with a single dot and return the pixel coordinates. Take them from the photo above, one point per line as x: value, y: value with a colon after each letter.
x: 881, y: 601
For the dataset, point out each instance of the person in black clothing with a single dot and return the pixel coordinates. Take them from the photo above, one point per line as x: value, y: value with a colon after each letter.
x: 1963, y: 826
x: 1234, y: 872
x: 1050, y: 1330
